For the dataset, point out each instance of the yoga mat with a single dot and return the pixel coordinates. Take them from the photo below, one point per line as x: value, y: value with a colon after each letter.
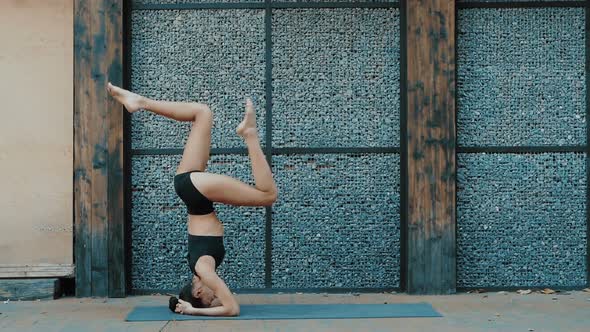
x: 295, y: 311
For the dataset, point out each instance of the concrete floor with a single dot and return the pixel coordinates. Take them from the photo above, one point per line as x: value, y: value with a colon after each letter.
x: 564, y: 312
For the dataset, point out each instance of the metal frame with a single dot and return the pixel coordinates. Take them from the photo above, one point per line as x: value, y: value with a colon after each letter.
x: 279, y: 290
x: 521, y: 4
x: 515, y: 288
x: 587, y: 72
x: 274, y: 151
x: 398, y: 4
x: 403, y: 153
x: 521, y: 149
x: 455, y: 97
x: 178, y: 151
x: 268, y: 136
x: 127, y: 151
x: 533, y: 149
x: 268, y: 6
x: 354, y: 290
x: 268, y: 149
x: 372, y: 150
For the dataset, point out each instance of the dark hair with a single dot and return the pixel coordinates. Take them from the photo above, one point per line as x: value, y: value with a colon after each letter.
x: 186, y: 294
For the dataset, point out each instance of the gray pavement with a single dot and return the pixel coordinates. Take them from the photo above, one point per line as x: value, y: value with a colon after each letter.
x: 568, y: 311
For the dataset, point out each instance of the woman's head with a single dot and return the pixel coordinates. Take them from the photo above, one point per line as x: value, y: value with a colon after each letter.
x: 197, y: 294
x: 202, y: 292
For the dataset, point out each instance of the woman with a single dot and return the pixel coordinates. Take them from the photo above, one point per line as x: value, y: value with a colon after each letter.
x: 199, y: 189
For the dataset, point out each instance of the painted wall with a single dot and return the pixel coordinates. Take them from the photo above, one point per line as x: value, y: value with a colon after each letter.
x: 36, y: 69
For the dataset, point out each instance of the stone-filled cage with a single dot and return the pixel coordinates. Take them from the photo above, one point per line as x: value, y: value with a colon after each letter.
x: 326, y: 85
x: 325, y: 77
x: 522, y: 171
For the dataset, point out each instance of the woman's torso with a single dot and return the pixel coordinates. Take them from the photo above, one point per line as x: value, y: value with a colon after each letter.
x: 207, y: 224
x: 202, y: 219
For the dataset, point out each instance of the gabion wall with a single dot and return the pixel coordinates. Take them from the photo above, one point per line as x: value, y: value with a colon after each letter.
x: 332, y: 83
x: 248, y: 1
x: 521, y: 218
x: 197, y: 55
x: 335, y: 83
x: 521, y: 77
x: 159, y: 227
x: 508, y: 1
x: 141, y: 2
x: 337, y: 222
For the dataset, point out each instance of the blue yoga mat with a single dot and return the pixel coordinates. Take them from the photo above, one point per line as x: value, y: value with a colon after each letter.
x: 295, y: 311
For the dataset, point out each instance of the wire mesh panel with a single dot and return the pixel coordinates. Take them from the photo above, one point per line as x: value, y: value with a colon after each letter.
x: 337, y: 1
x: 336, y: 223
x: 335, y: 77
x: 513, y: 1
x: 521, y: 77
x: 143, y: 2
x: 210, y: 56
x: 521, y: 219
x: 159, y: 229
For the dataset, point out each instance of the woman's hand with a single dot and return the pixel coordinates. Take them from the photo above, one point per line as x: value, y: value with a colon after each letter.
x: 183, y: 307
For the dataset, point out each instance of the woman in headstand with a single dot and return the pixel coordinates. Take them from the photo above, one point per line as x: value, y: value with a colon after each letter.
x: 199, y: 189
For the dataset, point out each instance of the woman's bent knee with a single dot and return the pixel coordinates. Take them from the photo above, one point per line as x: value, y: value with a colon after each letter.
x: 202, y: 112
x: 269, y: 198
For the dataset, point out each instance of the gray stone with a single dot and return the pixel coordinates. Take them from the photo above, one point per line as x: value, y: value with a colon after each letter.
x: 534, y: 207
x: 336, y: 223
x: 336, y: 77
x: 521, y: 77
x: 210, y: 56
x: 159, y: 227
x: 191, y: 1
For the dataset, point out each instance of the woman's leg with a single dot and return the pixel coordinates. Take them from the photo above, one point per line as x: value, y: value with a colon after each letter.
x: 224, y: 189
x: 196, y: 150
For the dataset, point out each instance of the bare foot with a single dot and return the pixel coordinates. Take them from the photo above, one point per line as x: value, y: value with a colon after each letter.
x: 248, y: 126
x: 130, y: 100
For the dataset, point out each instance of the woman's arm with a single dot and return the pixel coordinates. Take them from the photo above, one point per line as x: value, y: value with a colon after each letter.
x: 186, y: 309
x: 229, y: 306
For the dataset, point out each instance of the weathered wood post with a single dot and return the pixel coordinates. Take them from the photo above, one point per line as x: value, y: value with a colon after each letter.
x: 98, y: 149
x: 431, y: 135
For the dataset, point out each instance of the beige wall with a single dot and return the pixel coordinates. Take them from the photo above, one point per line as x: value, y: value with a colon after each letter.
x: 36, y: 83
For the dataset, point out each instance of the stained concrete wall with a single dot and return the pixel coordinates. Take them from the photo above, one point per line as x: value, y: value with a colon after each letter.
x: 36, y: 69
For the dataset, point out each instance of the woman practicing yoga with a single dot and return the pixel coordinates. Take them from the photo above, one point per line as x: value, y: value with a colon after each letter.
x: 207, y: 294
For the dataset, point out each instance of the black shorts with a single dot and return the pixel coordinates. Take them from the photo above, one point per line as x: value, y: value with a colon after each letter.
x: 202, y: 245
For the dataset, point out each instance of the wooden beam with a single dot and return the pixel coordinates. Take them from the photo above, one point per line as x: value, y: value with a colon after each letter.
x: 29, y: 289
x: 82, y: 148
x: 98, y: 149
x: 431, y: 137
x: 116, y: 191
x: 37, y: 270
